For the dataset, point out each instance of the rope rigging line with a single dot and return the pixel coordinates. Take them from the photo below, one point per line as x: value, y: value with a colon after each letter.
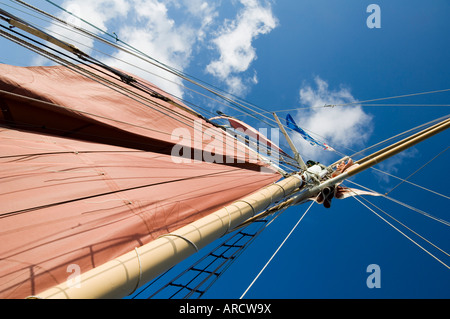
x: 384, y: 212
x: 395, y: 97
x: 442, y: 221
x: 214, y: 91
x: 417, y: 128
x: 179, y: 73
x: 409, y: 105
x: 229, y: 100
x: 268, y: 262
x: 239, y: 240
x: 66, y: 152
x: 140, y: 54
x: 362, y: 104
x: 109, y: 69
x: 419, y: 169
x: 103, y: 81
x: 409, y: 238
x: 411, y: 183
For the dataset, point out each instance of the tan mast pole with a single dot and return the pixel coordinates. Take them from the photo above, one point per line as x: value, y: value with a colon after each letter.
x: 372, y: 160
x: 123, y: 275
x: 401, y: 142
x: 382, y: 155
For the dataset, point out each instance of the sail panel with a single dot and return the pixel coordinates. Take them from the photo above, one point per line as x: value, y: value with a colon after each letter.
x: 72, y: 201
x: 59, y: 101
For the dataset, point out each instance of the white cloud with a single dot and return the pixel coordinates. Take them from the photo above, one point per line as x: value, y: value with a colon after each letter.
x: 341, y: 127
x: 391, y: 165
x: 174, y: 32
x: 147, y: 25
x: 203, y: 12
x: 234, y: 43
x: 97, y: 13
x: 153, y: 32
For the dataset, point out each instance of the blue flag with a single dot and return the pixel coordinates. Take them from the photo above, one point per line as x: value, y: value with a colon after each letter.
x: 291, y: 124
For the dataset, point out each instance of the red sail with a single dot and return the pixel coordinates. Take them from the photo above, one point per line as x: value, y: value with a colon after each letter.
x: 87, y: 173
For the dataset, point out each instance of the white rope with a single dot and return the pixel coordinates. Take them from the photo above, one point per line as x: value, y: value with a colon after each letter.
x: 265, y: 266
x: 406, y: 179
x: 440, y: 220
x: 182, y: 237
x: 403, y: 233
x: 405, y: 226
x: 411, y: 183
x: 140, y: 271
x: 229, y: 220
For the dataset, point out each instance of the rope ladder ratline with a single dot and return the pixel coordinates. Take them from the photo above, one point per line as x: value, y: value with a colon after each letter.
x: 437, y: 91
x: 203, y: 273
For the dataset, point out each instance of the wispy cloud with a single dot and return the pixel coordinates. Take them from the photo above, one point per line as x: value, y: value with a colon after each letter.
x: 147, y: 25
x: 234, y: 43
x: 154, y: 32
x: 175, y: 32
x: 341, y: 127
x: 391, y: 166
x: 171, y: 31
x: 97, y: 13
x: 152, y: 29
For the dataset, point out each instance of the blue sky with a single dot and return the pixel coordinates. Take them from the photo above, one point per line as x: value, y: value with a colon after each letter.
x: 292, y: 55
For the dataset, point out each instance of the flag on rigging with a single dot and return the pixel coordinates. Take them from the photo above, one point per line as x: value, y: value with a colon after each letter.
x: 291, y: 124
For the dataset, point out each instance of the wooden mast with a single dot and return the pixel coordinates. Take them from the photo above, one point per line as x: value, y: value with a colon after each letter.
x: 123, y: 275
